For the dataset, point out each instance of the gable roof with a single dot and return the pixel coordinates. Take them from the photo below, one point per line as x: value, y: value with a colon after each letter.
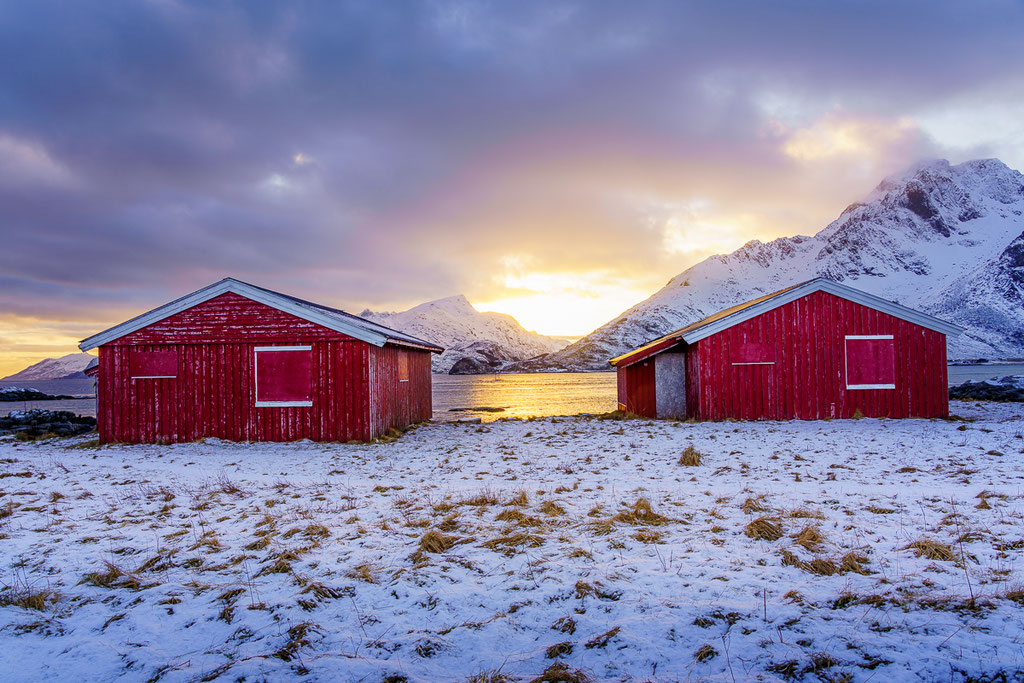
x: 728, y: 317
x: 325, y: 316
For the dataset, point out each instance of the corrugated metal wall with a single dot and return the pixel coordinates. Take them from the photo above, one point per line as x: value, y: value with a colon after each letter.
x: 807, y: 379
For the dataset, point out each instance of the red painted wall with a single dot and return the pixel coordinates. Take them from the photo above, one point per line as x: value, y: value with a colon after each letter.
x: 396, y: 403
x: 355, y: 392
x: 808, y: 381
x: 636, y: 388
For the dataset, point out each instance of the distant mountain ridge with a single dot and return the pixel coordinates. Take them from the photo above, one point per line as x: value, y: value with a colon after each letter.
x: 944, y: 239
x: 473, y: 341
x: 70, y: 366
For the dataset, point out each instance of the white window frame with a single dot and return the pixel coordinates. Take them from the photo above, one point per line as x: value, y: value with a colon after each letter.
x: 760, y: 362
x: 846, y: 361
x: 256, y: 378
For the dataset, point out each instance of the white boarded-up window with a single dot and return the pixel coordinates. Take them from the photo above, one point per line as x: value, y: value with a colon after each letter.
x: 870, y: 361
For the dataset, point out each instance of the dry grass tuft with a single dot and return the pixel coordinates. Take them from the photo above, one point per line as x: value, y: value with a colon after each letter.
x: 764, y: 529
x: 602, y: 640
x: 754, y: 504
x: 363, y: 572
x: 559, y: 650
x: 493, y: 676
x: 518, y: 517
x: 562, y: 673
x: 931, y: 549
x: 852, y: 562
x: 648, y: 536
x: 316, y: 532
x: 564, y: 625
x: 690, y: 457
x: 641, y: 514
x: 552, y: 508
x: 28, y: 598
x: 805, y: 513
x: 436, y: 542
x: 705, y: 653
x: 510, y: 543
x: 297, y: 639
x: 114, y: 577
x: 810, y: 538
x: 519, y: 500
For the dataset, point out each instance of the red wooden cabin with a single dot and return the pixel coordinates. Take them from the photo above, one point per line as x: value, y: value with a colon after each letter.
x: 239, y: 362
x: 816, y: 350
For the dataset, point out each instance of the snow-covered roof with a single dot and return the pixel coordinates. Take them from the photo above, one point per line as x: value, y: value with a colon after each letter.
x: 331, y: 318
x: 725, y: 319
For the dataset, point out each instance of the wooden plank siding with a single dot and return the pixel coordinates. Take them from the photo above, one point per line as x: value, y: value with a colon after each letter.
x: 394, y: 402
x: 807, y: 380
x: 636, y: 388
x: 355, y: 391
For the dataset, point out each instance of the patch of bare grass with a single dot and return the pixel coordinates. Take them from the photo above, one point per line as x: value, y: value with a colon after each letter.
x: 552, y: 509
x: 602, y: 640
x: 705, y: 653
x: 931, y: 549
x: 810, y: 538
x: 639, y: 514
x: 113, y: 577
x: 690, y: 457
x: 562, y: 673
x: 764, y: 529
x: 26, y: 597
x: 518, y: 517
x: 754, y: 505
x: 509, y: 544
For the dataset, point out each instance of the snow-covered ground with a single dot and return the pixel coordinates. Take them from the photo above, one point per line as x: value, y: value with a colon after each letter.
x: 264, y: 561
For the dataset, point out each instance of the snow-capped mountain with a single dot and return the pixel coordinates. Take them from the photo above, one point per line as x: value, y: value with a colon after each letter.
x: 65, y: 367
x: 488, y: 341
x: 947, y: 240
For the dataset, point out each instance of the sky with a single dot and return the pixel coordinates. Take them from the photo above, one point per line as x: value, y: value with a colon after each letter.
x: 555, y: 160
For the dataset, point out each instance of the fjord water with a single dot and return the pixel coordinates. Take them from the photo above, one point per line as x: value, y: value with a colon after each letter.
x: 523, y: 394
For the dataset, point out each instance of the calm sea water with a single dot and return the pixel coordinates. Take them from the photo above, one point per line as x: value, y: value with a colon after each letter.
x: 522, y: 394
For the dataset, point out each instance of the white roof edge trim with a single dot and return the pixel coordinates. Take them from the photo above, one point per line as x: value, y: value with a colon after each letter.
x: 840, y: 290
x: 242, y: 289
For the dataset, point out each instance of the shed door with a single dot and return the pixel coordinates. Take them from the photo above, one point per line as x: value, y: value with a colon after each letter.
x: 670, y: 385
x: 752, y: 366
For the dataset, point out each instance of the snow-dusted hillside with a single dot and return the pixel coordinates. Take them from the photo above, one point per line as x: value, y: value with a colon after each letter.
x: 473, y: 341
x: 948, y: 240
x: 54, y: 368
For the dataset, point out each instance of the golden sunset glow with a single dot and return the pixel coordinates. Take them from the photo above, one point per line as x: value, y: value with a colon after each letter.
x: 837, y: 135
x: 562, y: 304
x: 563, y: 314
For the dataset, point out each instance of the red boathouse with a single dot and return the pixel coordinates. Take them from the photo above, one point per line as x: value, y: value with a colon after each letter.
x: 816, y: 350
x: 239, y: 362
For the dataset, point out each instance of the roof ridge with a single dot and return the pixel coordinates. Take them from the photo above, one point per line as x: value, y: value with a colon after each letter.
x: 317, y: 313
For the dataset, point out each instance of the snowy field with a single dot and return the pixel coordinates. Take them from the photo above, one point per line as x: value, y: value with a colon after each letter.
x: 837, y: 551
